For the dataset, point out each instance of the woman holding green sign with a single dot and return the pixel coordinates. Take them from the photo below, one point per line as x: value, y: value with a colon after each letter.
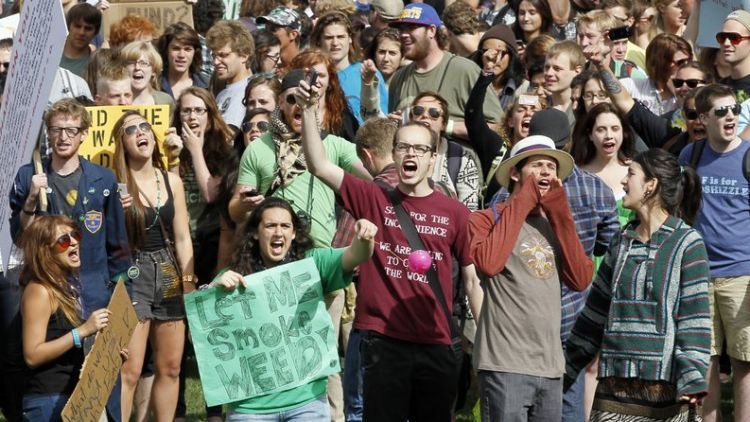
x: 275, y: 235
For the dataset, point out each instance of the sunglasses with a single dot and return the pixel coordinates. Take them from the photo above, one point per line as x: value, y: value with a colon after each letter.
x: 733, y: 38
x: 722, y: 111
x: 63, y: 242
x: 691, y: 83
x: 247, y: 127
x: 291, y: 100
x: 433, y: 112
x: 690, y: 113
x: 143, y: 126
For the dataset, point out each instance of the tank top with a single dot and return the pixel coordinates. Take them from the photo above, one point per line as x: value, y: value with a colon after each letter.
x: 154, y: 238
x: 61, y: 375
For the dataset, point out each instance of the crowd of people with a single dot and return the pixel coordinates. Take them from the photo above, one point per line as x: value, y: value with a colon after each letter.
x: 575, y: 170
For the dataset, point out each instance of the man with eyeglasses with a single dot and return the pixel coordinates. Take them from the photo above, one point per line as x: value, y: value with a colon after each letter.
x: 233, y: 48
x: 434, y: 69
x: 734, y: 41
x: 274, y: 165
x: 88, y: 194
x: 410, y: 369
x: 721, y: 163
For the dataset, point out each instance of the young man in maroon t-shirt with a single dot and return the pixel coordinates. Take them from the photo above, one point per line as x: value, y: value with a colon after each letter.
x: 410, y: 370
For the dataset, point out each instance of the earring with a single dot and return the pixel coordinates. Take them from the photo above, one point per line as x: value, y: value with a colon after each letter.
x: 646, y: 194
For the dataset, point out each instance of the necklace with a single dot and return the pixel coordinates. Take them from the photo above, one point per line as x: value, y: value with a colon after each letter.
x: 158, y: 202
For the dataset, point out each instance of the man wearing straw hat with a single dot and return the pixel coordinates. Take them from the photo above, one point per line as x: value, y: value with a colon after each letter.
x: 526, y: 247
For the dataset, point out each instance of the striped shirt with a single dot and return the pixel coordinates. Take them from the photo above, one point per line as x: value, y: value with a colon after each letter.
x: 595, y: 214
x: 648, y: 312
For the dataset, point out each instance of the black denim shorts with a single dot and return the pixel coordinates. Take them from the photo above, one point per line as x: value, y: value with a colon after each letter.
x: 157, y: 289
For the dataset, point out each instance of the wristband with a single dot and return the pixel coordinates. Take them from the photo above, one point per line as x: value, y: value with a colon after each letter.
x: 76, y: 338
x: 189, y: 279
x: 449, y: 128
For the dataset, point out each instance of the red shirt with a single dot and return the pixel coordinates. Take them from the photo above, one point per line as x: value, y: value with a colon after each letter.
x: 392, y: 300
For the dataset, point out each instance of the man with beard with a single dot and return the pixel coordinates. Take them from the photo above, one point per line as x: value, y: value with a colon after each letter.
x: 275, y: 165
x: 86, y: 193
x: 433, y: 69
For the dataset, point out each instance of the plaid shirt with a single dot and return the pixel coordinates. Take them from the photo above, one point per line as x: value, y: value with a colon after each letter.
x: 208, y: 59
x: 594, y: 211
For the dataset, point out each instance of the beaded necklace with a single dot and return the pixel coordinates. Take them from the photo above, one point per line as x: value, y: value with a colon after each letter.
x: 158, y: 202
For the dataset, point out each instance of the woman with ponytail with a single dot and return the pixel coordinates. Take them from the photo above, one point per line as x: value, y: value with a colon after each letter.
x: 52, y: 318
x: 648, y: 314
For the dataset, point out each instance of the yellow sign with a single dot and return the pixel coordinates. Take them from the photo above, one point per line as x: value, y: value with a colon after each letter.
x: 99, y: 146
x: 103, y: 362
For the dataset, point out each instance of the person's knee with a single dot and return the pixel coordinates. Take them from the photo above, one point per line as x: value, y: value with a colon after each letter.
x: 131, y: 372
x: 170, y: 368
x: 740, y: 368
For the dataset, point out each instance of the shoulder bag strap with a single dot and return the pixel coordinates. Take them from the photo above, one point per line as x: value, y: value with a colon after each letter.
x: 415, y: 242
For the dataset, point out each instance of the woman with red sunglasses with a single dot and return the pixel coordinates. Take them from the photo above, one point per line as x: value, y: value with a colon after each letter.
x: 53, y: 329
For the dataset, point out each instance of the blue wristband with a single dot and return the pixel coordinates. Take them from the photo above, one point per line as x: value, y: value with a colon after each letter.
x: 76, y: 338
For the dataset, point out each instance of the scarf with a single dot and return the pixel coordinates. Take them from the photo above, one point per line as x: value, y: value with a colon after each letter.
x: 290, y: 160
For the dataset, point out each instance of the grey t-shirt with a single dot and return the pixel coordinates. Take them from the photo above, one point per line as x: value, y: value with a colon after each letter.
x: 230, y: 105
x: 65, y: 190
x: 519, y: 328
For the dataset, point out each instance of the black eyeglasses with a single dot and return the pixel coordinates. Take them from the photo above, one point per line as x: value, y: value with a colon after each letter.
x: 63, y: 242
x: 247, y: 127
x: 690, y: 113
x: 199, y: 111
x: 733, y: 38
x: 143, y: 126
x: 57, y: 131
x: 691, y: 83
x: 419, y: 150
x: 433, y: 112
x: 722, y: 111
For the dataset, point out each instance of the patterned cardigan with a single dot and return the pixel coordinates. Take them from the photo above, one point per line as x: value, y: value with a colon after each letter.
x: 648, y: 311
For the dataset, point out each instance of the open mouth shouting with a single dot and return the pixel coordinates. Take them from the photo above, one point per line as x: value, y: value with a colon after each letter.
x: 609, y: 147
x: 544, y: 185
x: 729, y: 129
x: 409, y: 168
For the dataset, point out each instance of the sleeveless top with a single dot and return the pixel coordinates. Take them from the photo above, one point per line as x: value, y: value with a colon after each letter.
x: 154, y: 237
x: 61, y: 375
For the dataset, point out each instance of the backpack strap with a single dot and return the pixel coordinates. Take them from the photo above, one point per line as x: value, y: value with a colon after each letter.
x: 454, y: 154
x: 746, y: 165
x: 695, y: 154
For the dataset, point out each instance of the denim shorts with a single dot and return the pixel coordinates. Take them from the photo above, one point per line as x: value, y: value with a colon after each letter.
x: 157, y: 288
x: 43, y: 407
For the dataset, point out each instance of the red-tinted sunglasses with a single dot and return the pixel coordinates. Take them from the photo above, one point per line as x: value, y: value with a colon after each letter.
x: 63, y: 242
x: 733, y: 38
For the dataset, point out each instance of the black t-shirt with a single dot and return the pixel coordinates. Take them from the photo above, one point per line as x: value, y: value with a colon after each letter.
x: 741, y: 84
x: 65, y: 190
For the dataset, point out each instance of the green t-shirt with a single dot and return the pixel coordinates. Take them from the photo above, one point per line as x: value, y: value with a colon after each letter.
x: 454, y: 77
x: 328, y: 262
x: 258, y: 169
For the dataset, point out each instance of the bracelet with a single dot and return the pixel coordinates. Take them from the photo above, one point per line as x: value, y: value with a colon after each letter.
x: 76, y: 338
x: 190, y: 278
x: 27, y: 212
x: 449, y: 127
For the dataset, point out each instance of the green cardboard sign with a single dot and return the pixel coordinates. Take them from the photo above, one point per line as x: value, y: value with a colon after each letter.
x: 270, y: 337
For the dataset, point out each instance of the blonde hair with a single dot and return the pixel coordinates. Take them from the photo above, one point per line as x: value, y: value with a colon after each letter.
x: 133, y: 51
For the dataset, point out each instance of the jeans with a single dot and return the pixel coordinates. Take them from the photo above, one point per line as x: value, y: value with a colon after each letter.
x: 572, y: 410
x: 353, y: 374
x: 405, y: 380
x: 43, y: 407
x: 315, y: 411
x: 511, y: 397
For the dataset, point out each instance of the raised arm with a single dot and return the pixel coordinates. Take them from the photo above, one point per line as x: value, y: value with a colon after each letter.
x: 599, y: 56
x: 361, y: 247
x: 207, y: 185
x: 315, y: 154
x: 486, y: 142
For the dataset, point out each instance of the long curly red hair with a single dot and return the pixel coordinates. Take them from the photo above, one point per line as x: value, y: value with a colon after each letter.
x: 334, y: 95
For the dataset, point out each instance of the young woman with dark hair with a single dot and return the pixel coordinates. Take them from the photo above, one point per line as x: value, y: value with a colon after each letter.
x: 386, y: 51
x: 157, y: 218
x: 648, y: 311
x: 275, y: 235
x: 52, y: 316
x: 533, y: 18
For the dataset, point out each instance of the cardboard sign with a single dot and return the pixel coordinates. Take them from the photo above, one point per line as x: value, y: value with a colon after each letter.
x: 712, y: 16
x: 272, y: 336
x: 99, y: 146
x: 103, y: 362
x: 37, y: 49
x: 161, y: 13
